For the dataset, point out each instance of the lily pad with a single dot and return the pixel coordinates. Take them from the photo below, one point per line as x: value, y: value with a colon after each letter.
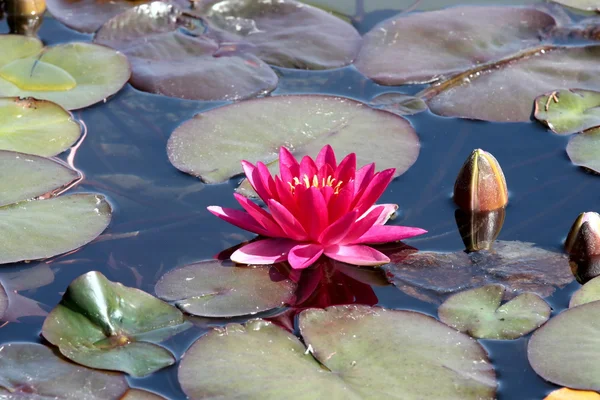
x: 137, y: 394
x: 478, y: 312
x: 587, y: 293
x: 3, y: 301
x: 27, y: 176
x: 399, y: 103
x: 44, y: 228
x: 102, y: 324
x: 519, y: 266
x: 36, y: 127
x: 254, y: 130
x: 569, y: 111
x: 170, y: 55
x: 423, y: 47
x: 31, y: 371
x: 73, y: 75
x: 584, y: 149
x: 564, y: 359
x: 222, y: 289
x: 586, y: 5
x: 354, y: 352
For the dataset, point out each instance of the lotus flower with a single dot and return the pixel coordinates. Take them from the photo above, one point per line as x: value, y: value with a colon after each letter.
x: 316, y: 207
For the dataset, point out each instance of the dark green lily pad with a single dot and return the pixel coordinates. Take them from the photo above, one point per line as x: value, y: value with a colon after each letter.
x: 36, y: 127
x: 73, y: 75
x: 27, y: 176
x: 44, y: 228
x: 399, y: 103
x: 105, y: 325
x: 254, y: 130
x: 222, y: 289
x: 586, y: 5
x: 478, y: 312
x: 566, y: 350
x: 519, y: 266
x: 423, y: 47
x: 137, y: 394
x: 584, y: 149
x: 31, y: 371
x: 587, y: 293
x: 368, y: 353
x: 568, y: 111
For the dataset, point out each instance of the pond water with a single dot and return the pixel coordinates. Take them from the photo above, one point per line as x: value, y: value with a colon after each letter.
x: 123, y: 157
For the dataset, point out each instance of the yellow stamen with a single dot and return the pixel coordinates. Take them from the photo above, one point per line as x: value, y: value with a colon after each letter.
x: 330, y: 181
x: 306, y: 181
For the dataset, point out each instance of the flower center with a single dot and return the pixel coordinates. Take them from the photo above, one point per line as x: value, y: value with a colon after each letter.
x: 314, y: 182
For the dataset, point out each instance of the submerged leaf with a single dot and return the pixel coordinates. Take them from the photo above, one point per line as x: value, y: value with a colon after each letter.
x: 399, y: 103
x: 569, y: 111
x: 25, y: 279
x: 102, y: 324
x: 584, y: 149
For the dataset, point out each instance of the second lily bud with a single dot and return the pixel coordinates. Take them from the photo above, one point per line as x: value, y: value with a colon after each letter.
x: 583, y: 246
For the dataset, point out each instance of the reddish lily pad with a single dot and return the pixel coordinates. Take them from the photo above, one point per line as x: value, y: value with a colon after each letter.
x: 587, y: 293
x: 478, y: 312
x: 569, y: 111
x: 36, y: 127
x: 586, y: 5
x: 222, y: 289
x: 31, y: 371
x: 44, y: 228
x: 422, y: 47
x: 519, y: 266
x: 584, y: 149
x: 102, y: 324
x: 254, y: 130
x: 399, y: 103
x: 171, y: 55
x: 559, y: 357
x: 367, y: 354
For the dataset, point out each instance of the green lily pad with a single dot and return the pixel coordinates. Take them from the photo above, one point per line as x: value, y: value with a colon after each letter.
x: 566, y: 350
x: 586, y: 5
x: 587, y: 293
x: 44, y: 228
x: 36, y: 127
x: 27, y: 176
x: 73, y: 75
x: 30, y: 371
x: 478, y: 312
x: 569, y: 111
x: 102, y: 324
x: 222, y: 289
x: 584, y: 149
x: 254, y: 130
x: 354, y: 352
x: 137, y: 394
x: 399, y: 103
x: 3, y: 301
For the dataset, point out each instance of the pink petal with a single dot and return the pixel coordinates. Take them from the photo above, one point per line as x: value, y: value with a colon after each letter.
x: 255, y: 180
x: 326, y: 157
x: 339, y: 204
x: 267, y: 251
x: 239, y: 219
x: 374, y: 190
x: 362, y: 178
x: 356, y: 254
x: 389, y: 233
x: 284, y: 193
x: 362, y: 225
x: 260, y: 215
x: 304, y: 255
x: 346, y: 170
x: 266, y: 178
x: 308, y: 168
x: 338, y: 230
x: 386, y: 213
x: 288, y: 166
x: 291, y: 227
x: 327, y: 193
x: 313, y: 212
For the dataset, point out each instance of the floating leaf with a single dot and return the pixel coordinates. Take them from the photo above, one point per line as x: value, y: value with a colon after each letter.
x: 3, y: 301
x: 33, y: 230
x: 570, y: 394
x: 422, y: 47
x: 102, y: 324
x: 521, y: 267
x: 253, y: 130
x: 137, y: 394
x: 399, y: 103
x: 478, y: 312
x: 170, y: 55
x: 31, y: 371
x: 505, y: 91
x: 27, y: 176
x: 584, y: 149
x: 566, y: 350
x: 586, y: 5
x: 368, y: 353
x: 222, y: 289
x: 587, y: 293
x: 568, y: 111
x: 73, y: 75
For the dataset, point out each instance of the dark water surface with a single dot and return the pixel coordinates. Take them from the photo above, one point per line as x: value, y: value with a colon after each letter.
x: 123, y: 156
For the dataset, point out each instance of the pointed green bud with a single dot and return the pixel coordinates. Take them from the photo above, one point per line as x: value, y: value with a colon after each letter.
x: 480, y: 184
x: 479, y: 229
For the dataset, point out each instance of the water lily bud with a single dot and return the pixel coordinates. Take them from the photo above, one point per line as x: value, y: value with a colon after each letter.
x: 24, y: 17
x: 479, y: 229
x: 584, y: 236
x: 480, y: 184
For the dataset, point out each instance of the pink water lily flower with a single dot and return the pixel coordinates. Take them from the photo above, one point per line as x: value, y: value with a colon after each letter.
x: 316, y: 207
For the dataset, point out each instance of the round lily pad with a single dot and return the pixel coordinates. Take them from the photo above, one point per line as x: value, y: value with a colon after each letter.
x: 211, y: 144
x: 31, y: 371
x: 27, y: 176
x: 102, y: 324
x: 171, y: 55
x: 586, y: 5
x: 36, y: 127
x: 222, y: 289
x: 399, y: 103
x: 569, y: 111
x: 566, y: 359
x: 584, y: 149
x: 478, y: 312
x: 44, y: 228
x: 73, y: 75
x: 422, y: 47
x: 587, y: 293
x: 353, y: 352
